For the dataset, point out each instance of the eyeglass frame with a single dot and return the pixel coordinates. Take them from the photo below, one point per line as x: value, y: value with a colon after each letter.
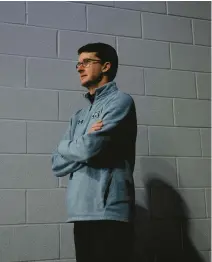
x: 87, y: 61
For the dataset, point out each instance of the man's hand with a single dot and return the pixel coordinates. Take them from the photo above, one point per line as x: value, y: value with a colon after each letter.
x: 96, y: 126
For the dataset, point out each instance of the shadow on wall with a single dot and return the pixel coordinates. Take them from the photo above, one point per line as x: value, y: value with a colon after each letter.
x: 161, y: 226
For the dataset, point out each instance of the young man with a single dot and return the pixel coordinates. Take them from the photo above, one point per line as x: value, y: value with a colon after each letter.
x: 98, y: 151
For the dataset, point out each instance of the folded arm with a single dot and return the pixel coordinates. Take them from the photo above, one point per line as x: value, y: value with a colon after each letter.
x: 89, y: 145
x: 62, y: 166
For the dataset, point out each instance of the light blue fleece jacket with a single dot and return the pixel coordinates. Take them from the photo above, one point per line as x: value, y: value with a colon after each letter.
x: 100, y: 164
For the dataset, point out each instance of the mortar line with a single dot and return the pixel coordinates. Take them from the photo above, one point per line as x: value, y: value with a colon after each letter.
x: 166, y: 7
x: 57, y: 43
x: 192, y: 30
x: 148, y: 140
x: 86, y: 17
x: 144, y: 79
x: 200, y: 136
x: 195, y: 84
x: 177, y: 172
x: 206, y: 206
x: 26, y: 136
x: 25, y: 206
x: 26, y: 13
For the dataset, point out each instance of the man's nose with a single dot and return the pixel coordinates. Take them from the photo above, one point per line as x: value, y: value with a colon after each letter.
x: 80, y: 68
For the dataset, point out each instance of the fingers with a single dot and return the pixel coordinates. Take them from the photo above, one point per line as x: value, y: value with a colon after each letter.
x: 96, y: 126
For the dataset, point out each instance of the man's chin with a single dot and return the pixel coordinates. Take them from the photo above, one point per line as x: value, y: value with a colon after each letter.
x: 86, y: 84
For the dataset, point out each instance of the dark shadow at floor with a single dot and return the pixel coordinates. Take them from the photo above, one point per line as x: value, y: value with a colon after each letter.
x: 162, y: 226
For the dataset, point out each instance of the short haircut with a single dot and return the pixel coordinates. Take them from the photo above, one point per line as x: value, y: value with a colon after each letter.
x: 105, y: 53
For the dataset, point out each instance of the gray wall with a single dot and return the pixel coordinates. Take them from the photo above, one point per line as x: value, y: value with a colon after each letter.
x: 163, y: 49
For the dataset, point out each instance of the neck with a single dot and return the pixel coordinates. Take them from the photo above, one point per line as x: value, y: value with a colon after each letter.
x: 92, y: 89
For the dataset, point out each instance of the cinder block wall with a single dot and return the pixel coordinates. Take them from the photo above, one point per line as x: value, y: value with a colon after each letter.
x: 164, y: 57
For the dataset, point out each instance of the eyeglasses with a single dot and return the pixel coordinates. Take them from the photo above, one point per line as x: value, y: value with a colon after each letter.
x: 86, y: 62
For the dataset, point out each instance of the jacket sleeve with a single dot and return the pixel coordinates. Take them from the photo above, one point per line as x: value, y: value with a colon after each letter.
x: 60, y: 165
x: 89, y: 145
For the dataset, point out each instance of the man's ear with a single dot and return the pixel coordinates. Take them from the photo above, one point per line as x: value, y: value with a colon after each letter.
x: 106, y: 67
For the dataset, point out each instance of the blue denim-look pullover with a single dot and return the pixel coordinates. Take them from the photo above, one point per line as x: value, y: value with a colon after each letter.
x: 101, y: 163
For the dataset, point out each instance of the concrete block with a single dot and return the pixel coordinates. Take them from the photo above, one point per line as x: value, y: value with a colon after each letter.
x: 13, y: 136
x: 167, y: 234
x: 165, y: 204
x: 119, y: 22
x: 208, y: 201
x: 192, y: 58
x: 164, y: 141
x: 169, y: 83
x: 194, y: 113
x: 142, y: 141
x: 70, y: 103
x: 52, y: 74
x: 12, y: 205
x: 194, y: 172
x: 27, y: 41
x: 138, y: 179
x: 143, y: 53
x: 67, y: 248
x: 71, y: 15
x: 26, y: 171
x: 202, y: 32
x: 70, y: 42
x: 195, y: 202
x: 166, y: 28
x: 29, y: 242
x: 130, y: 80
x: 46, y: 206
x: 194, y: 9
x: 206, y: 141
x: 43, y: 137
x: 145, y: 6
x: 199, y: 234
x: 154, y: 110
x: 28, y: 104
x: 12, y: 12
x: 140, y: 197
x: 12, y: 71
x: 161, y: 168
x: 203, y: 85
x: 205, y: 256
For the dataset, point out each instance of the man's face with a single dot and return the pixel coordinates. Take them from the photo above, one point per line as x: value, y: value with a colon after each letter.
x: 91, y: 73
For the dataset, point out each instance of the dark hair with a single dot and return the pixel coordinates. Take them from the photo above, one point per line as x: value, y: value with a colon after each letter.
x: 106, y: 53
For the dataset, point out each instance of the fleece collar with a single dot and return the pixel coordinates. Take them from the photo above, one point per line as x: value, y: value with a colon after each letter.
x: 100, y: 92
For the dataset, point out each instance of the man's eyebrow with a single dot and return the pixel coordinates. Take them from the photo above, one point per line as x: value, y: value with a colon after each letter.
x: 85, y: 59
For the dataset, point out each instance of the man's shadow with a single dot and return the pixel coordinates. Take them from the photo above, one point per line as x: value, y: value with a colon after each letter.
x: 162, y: 226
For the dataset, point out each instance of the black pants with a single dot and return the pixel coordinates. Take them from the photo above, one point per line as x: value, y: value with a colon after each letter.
x: 103, y: 241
